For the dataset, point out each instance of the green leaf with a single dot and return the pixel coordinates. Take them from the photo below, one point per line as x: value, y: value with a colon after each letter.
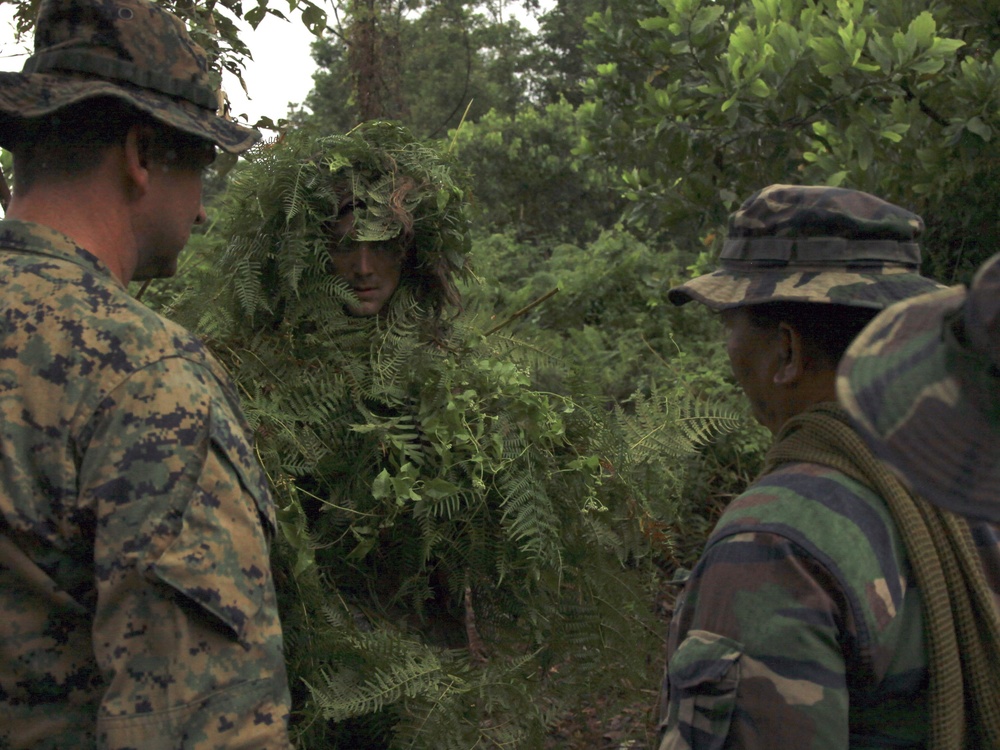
x: 927, y: 66
x: 922, y: 29
x: 314, y: 19
x: 657, y: 23
x: 705, y: 17
x: 980, y: 128
x: 438, y: 488
x: 946, y: 47
x: 866, y: 151
x: 382, y: 485
x: 743, y: 40
x: 255, y: 15
x: 836, y: 179
x: 906, y: 46
x: 759, y: 88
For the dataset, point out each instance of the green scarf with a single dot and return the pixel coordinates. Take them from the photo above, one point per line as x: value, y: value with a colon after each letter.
x: 961, y: 622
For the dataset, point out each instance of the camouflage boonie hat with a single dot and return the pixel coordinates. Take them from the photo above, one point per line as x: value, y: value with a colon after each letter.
x: 922, y: 383
x: 795, y: 243
x: 129, y: 49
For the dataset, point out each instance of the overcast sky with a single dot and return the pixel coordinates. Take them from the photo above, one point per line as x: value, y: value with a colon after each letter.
x: 280, y: 72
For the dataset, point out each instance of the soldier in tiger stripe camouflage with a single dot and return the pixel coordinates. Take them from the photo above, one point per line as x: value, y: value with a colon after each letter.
x: 801, y: 625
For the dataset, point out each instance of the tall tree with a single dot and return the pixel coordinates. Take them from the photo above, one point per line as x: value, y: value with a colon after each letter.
x: 560, y: 67
x: 374, y: 58
x: 427, y: 65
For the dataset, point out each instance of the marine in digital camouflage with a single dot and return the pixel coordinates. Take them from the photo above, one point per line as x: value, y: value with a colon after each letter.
x: 814, y: 244
x: 138, y: 605
x: 921, y: 382
x: 138, y: 608
x: 800, y: 626
x: 128, y: 49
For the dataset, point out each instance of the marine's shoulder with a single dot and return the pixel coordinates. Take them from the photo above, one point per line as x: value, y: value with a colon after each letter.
x: 85, y: 315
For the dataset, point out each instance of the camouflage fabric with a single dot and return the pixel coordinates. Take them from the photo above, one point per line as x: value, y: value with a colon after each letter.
x: 139, y: 609
x: 921, y: 382
x: 801, y: 626
x: 814, y: 244
x: 129, y: 49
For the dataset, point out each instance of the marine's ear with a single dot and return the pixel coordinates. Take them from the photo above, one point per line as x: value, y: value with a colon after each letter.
x: 136, y: 149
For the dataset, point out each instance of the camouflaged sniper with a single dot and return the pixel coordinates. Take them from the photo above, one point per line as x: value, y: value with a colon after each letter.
x: 922, y: 383
x: 129, y: 49
x: 814, y: 244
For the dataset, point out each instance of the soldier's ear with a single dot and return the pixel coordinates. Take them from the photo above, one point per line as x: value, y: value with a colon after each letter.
x: 136, y: 152
x: 791, y: 356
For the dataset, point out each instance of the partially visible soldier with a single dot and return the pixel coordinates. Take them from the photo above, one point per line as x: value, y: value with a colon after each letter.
x: 922, y: 383
x: 138, y: 609
x: 803, y: 624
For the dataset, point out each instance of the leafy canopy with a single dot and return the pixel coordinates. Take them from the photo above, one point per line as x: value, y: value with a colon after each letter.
x: 703, y: 102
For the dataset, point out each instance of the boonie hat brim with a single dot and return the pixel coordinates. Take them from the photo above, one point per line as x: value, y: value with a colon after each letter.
x: 860, y: 287
x: 896, y: 384
x: 30, y: 95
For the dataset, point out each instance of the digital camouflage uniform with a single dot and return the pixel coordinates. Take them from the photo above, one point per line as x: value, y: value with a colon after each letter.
x: 138, y: 608
x: 800, y: 626
x: 134, y: 578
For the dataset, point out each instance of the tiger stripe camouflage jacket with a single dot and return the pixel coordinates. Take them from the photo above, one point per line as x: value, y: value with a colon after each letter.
x: 801, y: 626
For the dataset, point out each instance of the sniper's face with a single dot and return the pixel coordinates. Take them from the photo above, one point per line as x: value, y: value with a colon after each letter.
x: 371, y: 269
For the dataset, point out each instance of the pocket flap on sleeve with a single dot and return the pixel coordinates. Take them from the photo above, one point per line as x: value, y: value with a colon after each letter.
x: 702, y: 681
x: 705, y: 658
x: 219, y: 559
x: 234, y: 446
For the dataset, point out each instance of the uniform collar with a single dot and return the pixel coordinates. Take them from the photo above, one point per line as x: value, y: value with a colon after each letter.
x: 38, y: 239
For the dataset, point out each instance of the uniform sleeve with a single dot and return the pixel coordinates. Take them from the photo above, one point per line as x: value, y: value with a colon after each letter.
x: 755, y: 657
x: 186, y: 630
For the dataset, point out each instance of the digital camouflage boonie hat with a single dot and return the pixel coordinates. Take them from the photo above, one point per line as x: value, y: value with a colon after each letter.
x: 922, y: 383
x: 795, y: 243
x: 129, y: 49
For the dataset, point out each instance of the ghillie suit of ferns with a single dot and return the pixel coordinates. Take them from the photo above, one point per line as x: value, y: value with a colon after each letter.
x: 460, y: 552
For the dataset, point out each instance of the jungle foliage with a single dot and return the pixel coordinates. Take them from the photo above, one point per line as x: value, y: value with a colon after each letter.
x: 702, y: 102
x: 471, y: 528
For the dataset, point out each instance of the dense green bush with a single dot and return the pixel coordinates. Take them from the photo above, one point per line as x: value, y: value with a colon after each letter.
x: 527, y: 182
x: 699, y: 103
